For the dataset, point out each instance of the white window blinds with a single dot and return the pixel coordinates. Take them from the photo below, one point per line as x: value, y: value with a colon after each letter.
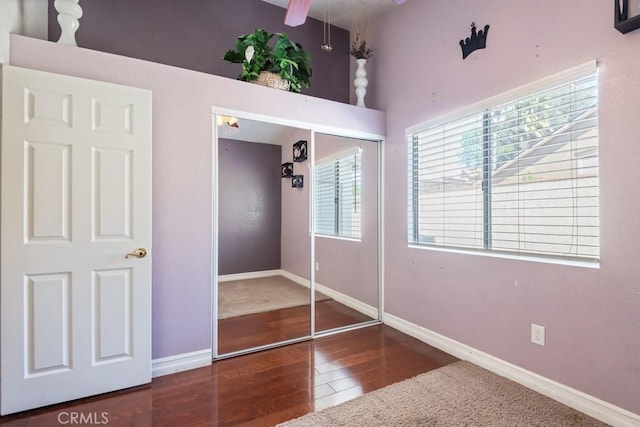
x: 520, y: 176
x: 337, y: 196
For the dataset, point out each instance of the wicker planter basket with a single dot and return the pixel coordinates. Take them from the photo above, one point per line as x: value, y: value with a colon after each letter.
x: 269, y: 79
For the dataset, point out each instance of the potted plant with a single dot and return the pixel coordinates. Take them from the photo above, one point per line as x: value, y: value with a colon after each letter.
x: 359, y: 49
x: 263, y: 59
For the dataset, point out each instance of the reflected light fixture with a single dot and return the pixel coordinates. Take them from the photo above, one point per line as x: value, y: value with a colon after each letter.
x: 326, y: 26
x: 228, y: 120
x: 232, y: 126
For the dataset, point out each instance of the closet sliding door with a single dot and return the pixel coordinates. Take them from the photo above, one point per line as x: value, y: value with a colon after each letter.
x: 263, y: 244
x: 346, y: 231
x: 297, y: 231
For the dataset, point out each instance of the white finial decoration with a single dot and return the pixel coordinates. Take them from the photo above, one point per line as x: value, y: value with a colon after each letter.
x: 69, y: 12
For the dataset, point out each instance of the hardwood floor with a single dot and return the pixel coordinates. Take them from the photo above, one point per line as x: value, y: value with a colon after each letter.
x: 254, y: 330
x: 330, y: 314
x: 259, y: 389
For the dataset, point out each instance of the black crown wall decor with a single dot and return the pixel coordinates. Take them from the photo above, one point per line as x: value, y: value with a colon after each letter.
x: 478, y: 40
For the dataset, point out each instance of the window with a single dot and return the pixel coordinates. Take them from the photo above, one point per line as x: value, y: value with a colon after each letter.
x: 518, y: 174
x: 337, y: 195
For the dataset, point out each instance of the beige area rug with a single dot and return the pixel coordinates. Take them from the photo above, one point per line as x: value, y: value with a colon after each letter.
x: 460, y: 394
x: 240, y: 297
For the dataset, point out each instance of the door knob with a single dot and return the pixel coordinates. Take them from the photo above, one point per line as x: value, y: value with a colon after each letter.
x: 138, y: 253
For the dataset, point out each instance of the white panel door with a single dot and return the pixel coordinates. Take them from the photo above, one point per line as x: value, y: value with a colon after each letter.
x: 75, y: 311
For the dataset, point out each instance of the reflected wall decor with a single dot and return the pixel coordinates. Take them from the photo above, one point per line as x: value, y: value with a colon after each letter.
x: 297, y: 181
x: 300, y: 151
x: 287, y: 170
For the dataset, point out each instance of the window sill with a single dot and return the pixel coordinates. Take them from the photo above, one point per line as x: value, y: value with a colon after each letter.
x: 348, y: 239
x: 528, y: 258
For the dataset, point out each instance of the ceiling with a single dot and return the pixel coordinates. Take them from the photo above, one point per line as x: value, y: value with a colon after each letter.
x: 343, y: 12
x: 256, y: 131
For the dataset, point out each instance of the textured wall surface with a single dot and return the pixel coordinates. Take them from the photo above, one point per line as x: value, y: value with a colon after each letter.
x: 592, y: 316
x: 194, y: 34
x: 249, y: 206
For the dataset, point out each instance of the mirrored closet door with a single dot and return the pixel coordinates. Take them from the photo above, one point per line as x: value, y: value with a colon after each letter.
x: 346, y: 231
x: 297, y: 233
x: 263, y: 240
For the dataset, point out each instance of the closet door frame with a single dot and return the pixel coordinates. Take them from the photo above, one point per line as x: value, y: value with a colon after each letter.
x: 313, y: 129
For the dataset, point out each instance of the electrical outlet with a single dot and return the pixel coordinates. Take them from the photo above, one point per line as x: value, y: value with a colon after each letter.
x: 537, y: 334
x: 317, y: 266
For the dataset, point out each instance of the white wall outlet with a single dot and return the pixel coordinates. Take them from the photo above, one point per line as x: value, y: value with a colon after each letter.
x: 537, y: 334
x: 317, y: 266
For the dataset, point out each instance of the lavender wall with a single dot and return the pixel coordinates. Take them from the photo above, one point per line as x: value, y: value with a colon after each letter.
x: 296, y: 242
x: 592, y: 316
x: 194, y: 34
x: 248, y: 206
x: 182, y: 168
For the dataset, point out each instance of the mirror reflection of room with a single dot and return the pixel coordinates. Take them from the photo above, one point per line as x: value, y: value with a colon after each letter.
x: 345, y: 231
x: 263, y: 254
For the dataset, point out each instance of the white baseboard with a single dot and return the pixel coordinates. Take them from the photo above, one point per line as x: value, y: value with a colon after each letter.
x: 249, y: 275
x: 295, y: 278
x: 576, y: 399
x: 181, y: 362
x: 344, y: 299
x: 350, y: 302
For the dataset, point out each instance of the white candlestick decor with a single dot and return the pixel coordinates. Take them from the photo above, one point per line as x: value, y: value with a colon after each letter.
x: 69, y: 13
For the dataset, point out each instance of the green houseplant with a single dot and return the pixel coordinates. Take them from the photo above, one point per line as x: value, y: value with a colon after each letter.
x: 257, y: 52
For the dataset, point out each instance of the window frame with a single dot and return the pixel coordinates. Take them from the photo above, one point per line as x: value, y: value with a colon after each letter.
x: 481, y: 108
x: 335, y: 159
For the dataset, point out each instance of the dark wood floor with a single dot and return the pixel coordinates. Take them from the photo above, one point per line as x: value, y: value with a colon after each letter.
x: 255, y: 330
x: 263, y: 388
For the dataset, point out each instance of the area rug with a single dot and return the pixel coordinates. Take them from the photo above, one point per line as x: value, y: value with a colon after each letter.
x: 241, y: 297
x: 460, y: 394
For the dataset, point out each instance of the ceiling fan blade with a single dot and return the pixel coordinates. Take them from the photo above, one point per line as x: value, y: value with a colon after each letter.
x: 297, y: 12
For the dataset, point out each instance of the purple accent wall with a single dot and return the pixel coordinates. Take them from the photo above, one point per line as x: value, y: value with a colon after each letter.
x: 592, y: 316
x: 194, y: 34
x: 249, y: 200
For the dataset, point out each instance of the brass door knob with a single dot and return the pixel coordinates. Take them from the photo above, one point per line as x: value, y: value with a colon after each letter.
x: 138, y: 253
